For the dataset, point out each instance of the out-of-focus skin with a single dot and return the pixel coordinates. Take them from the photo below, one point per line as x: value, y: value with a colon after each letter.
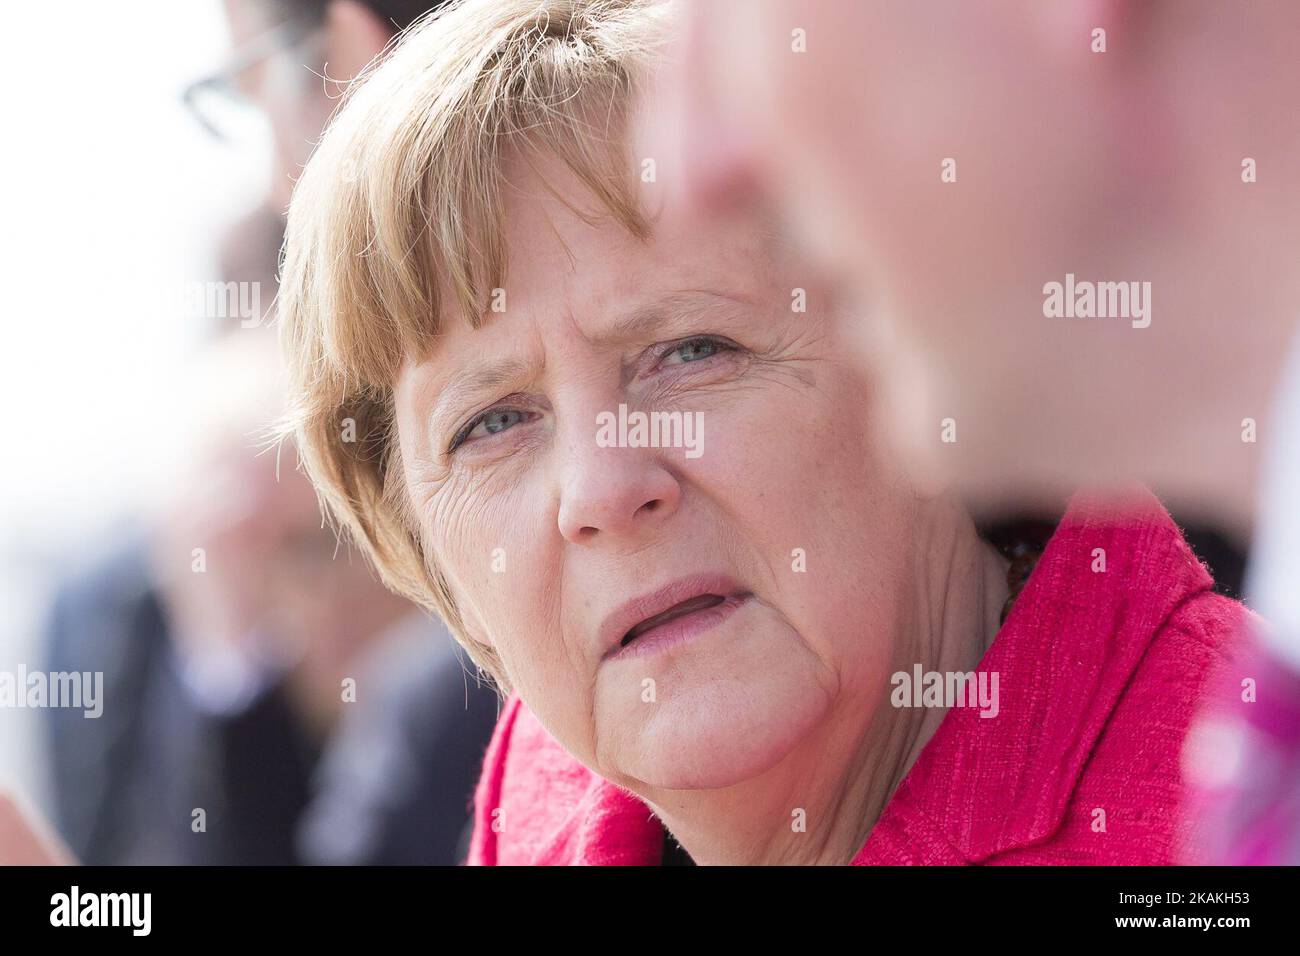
x: 26, y: 840
x: 1115, y: 166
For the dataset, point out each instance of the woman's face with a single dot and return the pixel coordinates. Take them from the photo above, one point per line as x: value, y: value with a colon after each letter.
x: 758, y: 572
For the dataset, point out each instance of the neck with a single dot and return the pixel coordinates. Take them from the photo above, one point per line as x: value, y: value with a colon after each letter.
x: 820, y: 802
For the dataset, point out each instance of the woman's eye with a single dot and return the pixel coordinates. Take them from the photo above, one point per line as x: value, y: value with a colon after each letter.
x: 694, y: 350
x: 489, y: 423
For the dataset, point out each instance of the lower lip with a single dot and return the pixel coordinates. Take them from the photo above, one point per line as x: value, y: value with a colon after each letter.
x: 680, y: 629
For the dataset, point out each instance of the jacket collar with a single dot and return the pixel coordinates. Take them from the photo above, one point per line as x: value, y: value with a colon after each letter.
x: 1068, y: 649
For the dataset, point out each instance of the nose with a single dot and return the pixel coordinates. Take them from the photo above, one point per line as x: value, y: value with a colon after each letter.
x: 614, y: 494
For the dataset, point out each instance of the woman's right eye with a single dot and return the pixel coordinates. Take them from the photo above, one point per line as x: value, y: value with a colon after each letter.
x: 487, y: 424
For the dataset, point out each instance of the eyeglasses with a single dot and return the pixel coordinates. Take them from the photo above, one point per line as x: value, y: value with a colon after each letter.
x: 225, y: 103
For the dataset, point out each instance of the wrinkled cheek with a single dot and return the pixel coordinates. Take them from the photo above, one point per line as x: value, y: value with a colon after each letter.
x: 468, y: 549
x: 510, y: 568
x: 497, y: 562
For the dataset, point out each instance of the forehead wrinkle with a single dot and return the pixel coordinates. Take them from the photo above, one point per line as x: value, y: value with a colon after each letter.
x: 641, y: 320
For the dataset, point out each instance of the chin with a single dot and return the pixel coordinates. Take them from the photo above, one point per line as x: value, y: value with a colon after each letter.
x: 724, y: 713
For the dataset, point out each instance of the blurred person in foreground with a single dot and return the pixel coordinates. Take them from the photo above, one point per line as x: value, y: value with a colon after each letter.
x: 950, y: 161
x: 714, y: 650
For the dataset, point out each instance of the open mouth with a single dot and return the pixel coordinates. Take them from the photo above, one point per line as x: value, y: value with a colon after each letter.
x: 671, y: 615
x: 701, y: 602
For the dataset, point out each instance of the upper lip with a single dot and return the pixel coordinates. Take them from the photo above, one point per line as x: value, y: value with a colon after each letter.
x: 629, y: 615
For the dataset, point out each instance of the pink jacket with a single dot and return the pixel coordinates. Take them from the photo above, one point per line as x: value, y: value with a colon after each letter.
x: 1100, y: 673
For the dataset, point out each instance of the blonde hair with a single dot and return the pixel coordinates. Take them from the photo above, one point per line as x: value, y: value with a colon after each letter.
x: 396, y: 223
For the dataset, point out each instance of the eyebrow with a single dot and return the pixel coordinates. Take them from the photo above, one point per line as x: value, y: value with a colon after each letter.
x: 683, y: 304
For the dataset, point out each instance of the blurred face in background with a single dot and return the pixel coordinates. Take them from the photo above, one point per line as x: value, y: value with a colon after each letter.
x: 248, y: 569
x: 948, y: 159
x: 290, y: 63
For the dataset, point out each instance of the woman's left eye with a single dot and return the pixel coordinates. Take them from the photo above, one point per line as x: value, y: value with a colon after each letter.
x: 695, y: 350
x: 501, y: 419
x: 489, y: 423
